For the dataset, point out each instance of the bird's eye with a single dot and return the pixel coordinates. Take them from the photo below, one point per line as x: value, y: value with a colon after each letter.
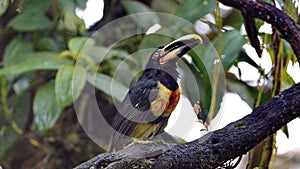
x: 155, y: 55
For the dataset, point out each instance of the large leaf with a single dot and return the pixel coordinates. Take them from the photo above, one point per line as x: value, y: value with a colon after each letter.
x: 29, y: 22
x: 80, y: 45
x: 205, y: 58
x: 144, y: 21
x: 123, y: 71
x: 193, y: 10
x: 107, y: 85
x: 32, y: 17
x: 45, y: 108
x: 97, y: 53
x: 15, y: 51
x: 196, y: 86
x: 78, y: 81
x: 69, y: 83
x: 63, y: 87
x: 247, y: 93
x: 32, y: 61
x: 3, y: 6
x: 232, y: 43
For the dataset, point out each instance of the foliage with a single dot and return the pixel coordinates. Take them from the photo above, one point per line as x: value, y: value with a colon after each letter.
x: 47, y: 61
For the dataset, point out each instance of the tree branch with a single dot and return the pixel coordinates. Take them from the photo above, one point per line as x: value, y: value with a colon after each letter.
x: 213, y: 149
x: 289, y: 29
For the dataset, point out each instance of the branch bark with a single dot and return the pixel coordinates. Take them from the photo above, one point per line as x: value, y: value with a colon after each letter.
x: 215, y: 148
x: 288, y: 28
x: 234, y: 140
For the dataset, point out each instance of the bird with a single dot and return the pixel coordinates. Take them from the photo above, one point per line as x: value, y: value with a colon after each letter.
x: 147, y: 106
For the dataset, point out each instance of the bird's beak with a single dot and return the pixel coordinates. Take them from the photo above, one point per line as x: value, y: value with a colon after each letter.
x: 179, y: 47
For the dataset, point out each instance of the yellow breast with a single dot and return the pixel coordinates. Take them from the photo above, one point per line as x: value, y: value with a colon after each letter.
x: 165, y: 101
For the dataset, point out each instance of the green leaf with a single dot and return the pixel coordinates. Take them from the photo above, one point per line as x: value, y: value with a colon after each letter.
x: 32, y: 17
x: 19, y: 107
x: 67, y: 5
x: 193, y: 10
x: 285, y: 130
x: 232, y: 43
x: 36, y: 6
x: 100, y: 53
x: 124, y: 72
x: 122, y: 54
x: 45, y: 108
x: 15, y: 51
x: 32, y: 61
x: 145, y: 20
x: 25, y: 22
x: 204, y: 57
x: 69, y: 83
x: 165, y: 6
x: 97, y: 53
x: 70, y: 21
x: 247, y: 93
x: 107, y: 85
x: 3, y: 6
x: 49, y: 44
x: 286, y: 80
x: 63, y: 87
x: 78, y: 81
x: 7, y: 139
x: 196, y: 85
x: 133, y: 7
x: 234, y: 19
x: 80, y: 45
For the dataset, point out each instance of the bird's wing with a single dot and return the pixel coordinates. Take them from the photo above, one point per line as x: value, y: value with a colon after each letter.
x: 129, y: 115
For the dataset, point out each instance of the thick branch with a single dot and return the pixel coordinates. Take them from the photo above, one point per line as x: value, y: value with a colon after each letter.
x: 216, y: 147
x: 288, y: 28
x: 235, y: 139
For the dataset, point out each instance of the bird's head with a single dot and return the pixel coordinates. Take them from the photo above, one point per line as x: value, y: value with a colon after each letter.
x: 167, y: 56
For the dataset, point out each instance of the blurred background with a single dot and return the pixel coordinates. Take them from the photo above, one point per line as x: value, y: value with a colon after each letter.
x: 52, y: 52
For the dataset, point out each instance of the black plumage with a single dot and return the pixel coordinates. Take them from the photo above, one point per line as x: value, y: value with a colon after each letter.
x: 149, y: 102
